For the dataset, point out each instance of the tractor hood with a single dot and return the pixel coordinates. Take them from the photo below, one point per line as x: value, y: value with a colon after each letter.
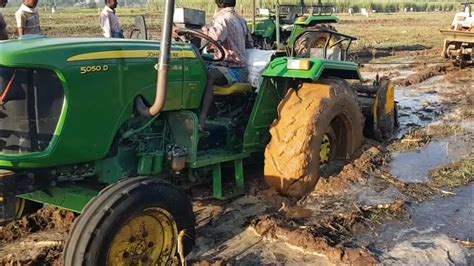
x: 57, y: 52
x: 64, y: 100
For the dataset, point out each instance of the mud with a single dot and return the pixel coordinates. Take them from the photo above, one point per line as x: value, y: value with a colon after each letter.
x: 312, y: 240
x: 37, y: 238
x: 425, y: 74
x: 374, y: 155
x: 404, y: 201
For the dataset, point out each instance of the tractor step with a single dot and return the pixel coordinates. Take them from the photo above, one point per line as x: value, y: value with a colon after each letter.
x: 214, y: 159
x: 217, y: 188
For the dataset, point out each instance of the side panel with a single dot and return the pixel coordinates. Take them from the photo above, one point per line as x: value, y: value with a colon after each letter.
x: 194, y: 83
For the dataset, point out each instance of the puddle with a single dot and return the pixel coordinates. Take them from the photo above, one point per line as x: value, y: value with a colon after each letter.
x: 415, y: 109
x: 414, y: 166
x: 449, y: 217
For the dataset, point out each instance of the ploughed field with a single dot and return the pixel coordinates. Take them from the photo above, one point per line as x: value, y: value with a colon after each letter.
x: 404, y: 201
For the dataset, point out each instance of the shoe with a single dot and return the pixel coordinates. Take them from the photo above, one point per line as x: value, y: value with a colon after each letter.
x: 203, y: 133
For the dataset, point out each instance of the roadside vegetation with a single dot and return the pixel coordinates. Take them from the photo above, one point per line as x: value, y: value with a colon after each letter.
x: 341, y: 5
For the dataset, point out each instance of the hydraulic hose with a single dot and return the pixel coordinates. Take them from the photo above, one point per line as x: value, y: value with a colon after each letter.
x: 163, y: 67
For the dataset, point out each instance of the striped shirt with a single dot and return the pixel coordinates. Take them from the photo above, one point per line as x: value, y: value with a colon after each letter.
x: 28, y: 19
x: 231, y: 31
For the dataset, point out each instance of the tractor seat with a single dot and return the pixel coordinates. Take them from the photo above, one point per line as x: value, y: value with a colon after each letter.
x: 236, y: 88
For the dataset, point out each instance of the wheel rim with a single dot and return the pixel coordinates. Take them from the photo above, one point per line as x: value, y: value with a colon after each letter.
x: 325, y: 151
x: 19, y: 207
x: 147, y: 238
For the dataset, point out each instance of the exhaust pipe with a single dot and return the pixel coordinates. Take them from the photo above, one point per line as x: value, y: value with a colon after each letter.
x: 163, y: 66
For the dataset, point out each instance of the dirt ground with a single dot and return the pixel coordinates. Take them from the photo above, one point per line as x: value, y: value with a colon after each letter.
x: 404, y: 201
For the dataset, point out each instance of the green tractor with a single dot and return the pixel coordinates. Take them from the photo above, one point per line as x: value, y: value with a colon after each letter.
x: 108, y: 128
x: 279, y: 27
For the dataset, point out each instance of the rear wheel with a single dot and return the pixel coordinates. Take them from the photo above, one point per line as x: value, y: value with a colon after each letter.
x: 24, y: 207
x: 134, y: 222
x: 316, y: 124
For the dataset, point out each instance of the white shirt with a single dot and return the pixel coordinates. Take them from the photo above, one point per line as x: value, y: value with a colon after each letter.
x: 109, y: 22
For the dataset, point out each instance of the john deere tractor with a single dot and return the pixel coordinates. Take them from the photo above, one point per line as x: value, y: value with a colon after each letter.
x: 278, y: 28
x: 108, y: 128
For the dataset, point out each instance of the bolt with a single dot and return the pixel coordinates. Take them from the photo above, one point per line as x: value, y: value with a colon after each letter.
x: 125, y: 255
x: 150, y: 244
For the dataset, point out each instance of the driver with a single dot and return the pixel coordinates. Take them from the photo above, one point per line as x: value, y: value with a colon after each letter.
x: 231, y: 31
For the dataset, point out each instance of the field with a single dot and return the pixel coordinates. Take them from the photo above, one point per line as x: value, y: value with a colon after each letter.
x: 406, y: 201
x: 392, y: 30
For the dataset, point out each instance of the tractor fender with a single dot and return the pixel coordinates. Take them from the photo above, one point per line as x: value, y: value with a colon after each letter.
x: 319, y: 69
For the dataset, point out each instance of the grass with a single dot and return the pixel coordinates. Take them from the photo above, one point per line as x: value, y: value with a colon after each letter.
x: 454, y: 175
x: 419, y: 138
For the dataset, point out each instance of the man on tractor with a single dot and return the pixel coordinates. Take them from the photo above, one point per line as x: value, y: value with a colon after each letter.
x: 231, y: 31
x: 3, y: 24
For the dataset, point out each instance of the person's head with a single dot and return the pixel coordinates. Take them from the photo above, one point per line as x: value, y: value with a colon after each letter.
x: 225, y: 3
x: 3, y: 3
x: 30, y: 3
x: 111, y: 3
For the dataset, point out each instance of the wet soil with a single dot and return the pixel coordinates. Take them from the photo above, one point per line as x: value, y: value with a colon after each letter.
x: 37, y: 238
x: 405, y: 201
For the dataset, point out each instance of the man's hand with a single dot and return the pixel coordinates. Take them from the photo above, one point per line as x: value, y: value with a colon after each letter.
x: 174, y: 35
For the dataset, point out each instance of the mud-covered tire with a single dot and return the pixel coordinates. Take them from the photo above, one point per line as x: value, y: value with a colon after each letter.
x: 385, y: 119
x: 105, y: 215
x: 312, y: 40
x: 305, y: 115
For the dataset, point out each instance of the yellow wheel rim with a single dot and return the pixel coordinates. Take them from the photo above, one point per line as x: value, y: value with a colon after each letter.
x: 149, y: 238
x: 19, y: 207
x: 325, y: 151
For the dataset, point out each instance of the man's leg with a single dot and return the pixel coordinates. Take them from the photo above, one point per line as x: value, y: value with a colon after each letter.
x: 214, y: 77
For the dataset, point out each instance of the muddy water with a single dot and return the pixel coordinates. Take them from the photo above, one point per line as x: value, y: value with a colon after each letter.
x: 431, y: 234
x: 414, y: 166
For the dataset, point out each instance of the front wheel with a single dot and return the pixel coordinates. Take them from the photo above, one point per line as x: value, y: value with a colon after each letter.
x: 138, y: 221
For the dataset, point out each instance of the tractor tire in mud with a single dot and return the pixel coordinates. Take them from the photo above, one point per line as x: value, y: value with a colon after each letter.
x: 312, y: 40
x: 307, y: 119
x: 386, y: 114
x: 139, y: 221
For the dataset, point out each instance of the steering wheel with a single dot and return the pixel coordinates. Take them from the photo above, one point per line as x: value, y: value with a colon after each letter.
x: 188, y: 34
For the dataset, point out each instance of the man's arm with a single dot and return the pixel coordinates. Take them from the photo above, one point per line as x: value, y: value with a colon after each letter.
x: 105, y: 25
x: 20, y: 23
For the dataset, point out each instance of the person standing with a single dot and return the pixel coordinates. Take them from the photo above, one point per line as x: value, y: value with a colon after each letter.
x: 109, y: 22
x: 3, y: 24
x: 28, y: 20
